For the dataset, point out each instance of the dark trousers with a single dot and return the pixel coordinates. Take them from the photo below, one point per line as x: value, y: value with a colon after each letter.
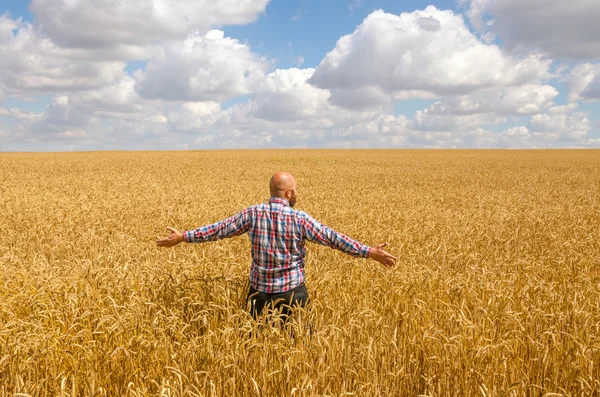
x: 284, y: 301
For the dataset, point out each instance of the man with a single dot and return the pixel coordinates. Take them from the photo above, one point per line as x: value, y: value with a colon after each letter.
x: 277, y: 233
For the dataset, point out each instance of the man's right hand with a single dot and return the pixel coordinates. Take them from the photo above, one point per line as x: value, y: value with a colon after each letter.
x: 381, y: 256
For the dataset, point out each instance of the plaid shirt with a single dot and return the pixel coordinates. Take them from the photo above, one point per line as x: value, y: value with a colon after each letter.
x: 277, y: 233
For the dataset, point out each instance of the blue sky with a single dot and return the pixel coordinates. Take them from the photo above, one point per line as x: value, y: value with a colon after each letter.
x: 276, y: 74
x: 311, y: 28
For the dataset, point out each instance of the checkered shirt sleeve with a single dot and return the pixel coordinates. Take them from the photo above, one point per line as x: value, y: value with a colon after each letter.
x: 318, y: 233
x: 230, y: 227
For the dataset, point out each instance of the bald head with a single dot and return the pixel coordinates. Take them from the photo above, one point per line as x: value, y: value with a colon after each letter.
x: 283, y: 185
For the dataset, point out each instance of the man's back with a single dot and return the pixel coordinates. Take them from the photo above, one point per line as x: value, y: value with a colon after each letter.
x: 277, y: 233
x: 278, y: 249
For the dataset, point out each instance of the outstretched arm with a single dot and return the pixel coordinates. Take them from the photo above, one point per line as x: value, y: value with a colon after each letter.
x: 230, y: 227
x: 319, y: 233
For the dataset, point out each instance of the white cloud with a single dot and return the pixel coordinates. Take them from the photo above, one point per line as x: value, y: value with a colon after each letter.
x: 592, y: 143
x: 584, y: 82
x: 200, y: 125
x: 176, y: 101
x: 111, y: 117
x: 476, y: 11
x: 285, y: 111
x: 62, y: 114
x: 367, y: 98
x: 285, y: 95
x: 101, y: 24
x: 32, y: 62
x: 55, y: 129
x: 207, y: 67
x: 516, y: 137
x: 195, y: 116
x: 427, y: 120
x: 2, y: 88
x: 76, y: 134
x: 563, y: 127
x: 119, y: 100
x: 376, y: 131
x: 568, y: 108
x: 429, y: 51
x: 527, y: 99
x: 516, y: 132
x: 19, y: 114
x: 592, y: 91
x: 64, y: 127
x: 564, y: 29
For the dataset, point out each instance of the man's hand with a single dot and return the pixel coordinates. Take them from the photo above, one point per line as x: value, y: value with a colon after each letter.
x: 381, y: 256
x: 172, y: 239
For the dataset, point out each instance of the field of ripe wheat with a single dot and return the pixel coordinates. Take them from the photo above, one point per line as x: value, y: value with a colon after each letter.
x: 496, y: 291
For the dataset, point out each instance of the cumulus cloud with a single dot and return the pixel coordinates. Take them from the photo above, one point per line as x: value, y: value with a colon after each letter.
x: 526, y: 99
x: 54, y: 129
x: 560, y: 109
x: 429, y: 51
x: 285, y: 95
x: 376, y: 131
x: 74, y: 134
x: 362, y: 98
x: 564, y: 127
x: 519, y: 132
x: 65, y: 125
x: 285, y: 111
x: 564, y: 29
x: 476, y: 11
x: 93, y: 23
x: 112, y: 117
x: 201, y: 125
x: 62, y: 113
x: 176, y: 100
x: 195, y: 116
x: 516, y: 137
x: 119, y: 100
x: 207, y: 67
x: 19, y: 114
x: 584, y: 82
x: 428, y: 120
x: 32, y: 62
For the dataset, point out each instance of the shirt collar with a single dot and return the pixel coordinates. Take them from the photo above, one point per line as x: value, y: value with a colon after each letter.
x: 279, y: 200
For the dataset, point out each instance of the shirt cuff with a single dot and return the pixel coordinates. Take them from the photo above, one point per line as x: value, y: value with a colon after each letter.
x: 186, y: 238
x: 366, y: 251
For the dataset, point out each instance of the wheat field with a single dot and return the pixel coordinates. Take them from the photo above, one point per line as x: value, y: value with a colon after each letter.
x: 496, y: 291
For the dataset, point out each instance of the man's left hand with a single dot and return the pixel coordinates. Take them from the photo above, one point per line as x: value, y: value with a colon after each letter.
x: 172, y: 239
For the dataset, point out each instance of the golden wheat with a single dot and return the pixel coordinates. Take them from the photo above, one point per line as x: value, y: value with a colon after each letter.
x: 496, y: 291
